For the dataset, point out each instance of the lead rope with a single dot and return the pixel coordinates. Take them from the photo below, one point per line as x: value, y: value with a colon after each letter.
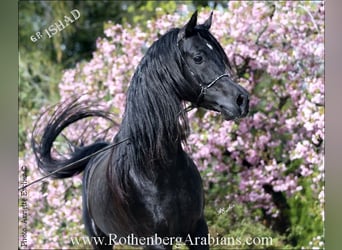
x: 75, y: 162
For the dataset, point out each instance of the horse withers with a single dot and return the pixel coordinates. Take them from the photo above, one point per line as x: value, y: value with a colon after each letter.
x: 148, y: 185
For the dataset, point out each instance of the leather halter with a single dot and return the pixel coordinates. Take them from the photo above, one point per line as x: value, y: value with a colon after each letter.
x: 207, y: 86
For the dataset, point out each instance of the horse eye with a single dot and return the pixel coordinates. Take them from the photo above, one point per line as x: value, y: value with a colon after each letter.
x: 198, y: 59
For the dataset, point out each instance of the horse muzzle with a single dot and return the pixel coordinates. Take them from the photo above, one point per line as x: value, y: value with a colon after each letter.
x: 239, y: 108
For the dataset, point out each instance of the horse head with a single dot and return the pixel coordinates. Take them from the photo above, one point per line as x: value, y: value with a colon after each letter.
x: 207, y: 69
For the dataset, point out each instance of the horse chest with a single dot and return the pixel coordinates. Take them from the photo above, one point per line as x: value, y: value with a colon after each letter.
x: 175, y: 201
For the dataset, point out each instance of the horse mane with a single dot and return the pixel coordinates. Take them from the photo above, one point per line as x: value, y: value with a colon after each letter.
x: 154, y: 121
x: 153, y: 117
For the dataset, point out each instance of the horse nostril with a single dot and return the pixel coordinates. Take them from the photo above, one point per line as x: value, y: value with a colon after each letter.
x: 239, y: 100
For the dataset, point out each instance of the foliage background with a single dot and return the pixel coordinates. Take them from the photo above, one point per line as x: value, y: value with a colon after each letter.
x: 264, y: 176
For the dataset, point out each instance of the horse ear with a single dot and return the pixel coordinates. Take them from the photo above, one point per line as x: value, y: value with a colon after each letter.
x: 188, y: 28
x: 207, y: 23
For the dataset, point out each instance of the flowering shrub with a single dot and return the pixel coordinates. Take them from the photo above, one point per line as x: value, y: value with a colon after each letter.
x: 270, y: 163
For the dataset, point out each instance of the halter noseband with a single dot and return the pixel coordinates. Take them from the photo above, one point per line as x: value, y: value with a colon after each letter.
x: 207, y: 86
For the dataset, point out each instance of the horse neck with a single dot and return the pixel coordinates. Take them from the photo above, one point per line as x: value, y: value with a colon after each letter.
x: 151, y: 120
x: 153, y: 104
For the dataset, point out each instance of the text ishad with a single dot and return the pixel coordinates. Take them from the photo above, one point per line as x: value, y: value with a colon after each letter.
x: 57, y: 26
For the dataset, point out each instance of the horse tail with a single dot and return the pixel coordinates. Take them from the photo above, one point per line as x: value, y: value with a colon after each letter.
x: 61, y: 118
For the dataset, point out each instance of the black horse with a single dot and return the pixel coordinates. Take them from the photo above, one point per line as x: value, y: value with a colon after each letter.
x: 148, y: 186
